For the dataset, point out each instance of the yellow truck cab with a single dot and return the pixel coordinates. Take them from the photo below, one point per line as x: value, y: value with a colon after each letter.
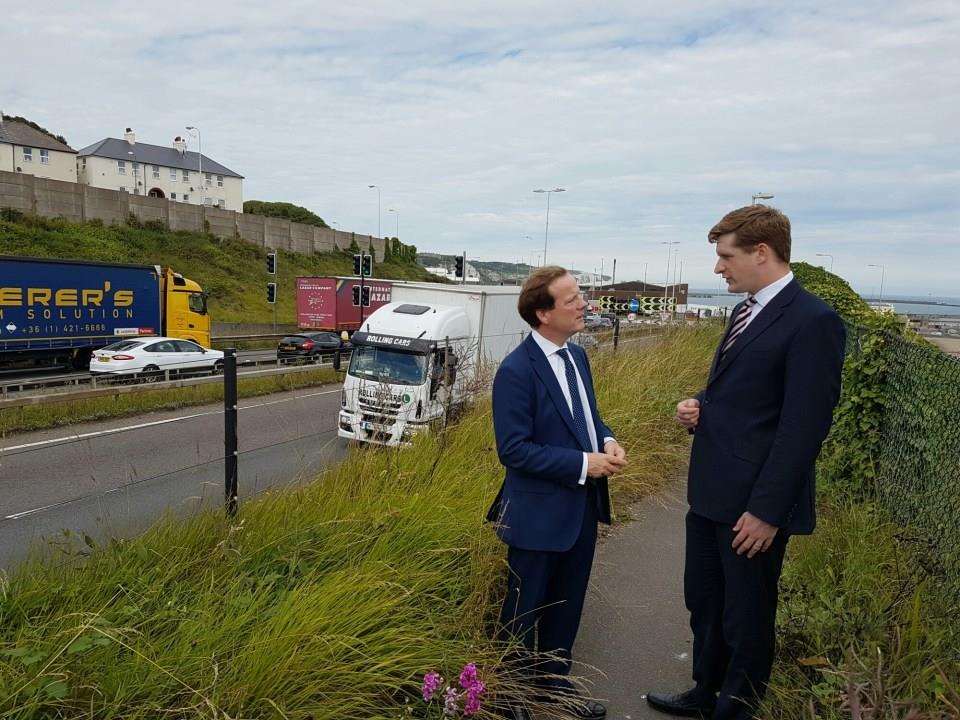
x: 184, y: 308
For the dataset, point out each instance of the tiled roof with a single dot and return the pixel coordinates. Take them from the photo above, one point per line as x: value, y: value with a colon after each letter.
x: 15, y: 132
x: 154, y: 155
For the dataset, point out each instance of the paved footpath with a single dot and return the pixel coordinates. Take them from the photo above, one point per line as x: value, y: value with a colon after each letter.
x: 635, y: 635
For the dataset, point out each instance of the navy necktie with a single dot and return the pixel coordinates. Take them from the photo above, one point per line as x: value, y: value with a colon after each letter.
x: 579, y: 417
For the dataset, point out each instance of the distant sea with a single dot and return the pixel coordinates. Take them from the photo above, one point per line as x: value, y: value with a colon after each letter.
x: 904, y: 304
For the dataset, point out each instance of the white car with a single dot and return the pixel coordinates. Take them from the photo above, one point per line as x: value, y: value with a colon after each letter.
x: 152, y: 356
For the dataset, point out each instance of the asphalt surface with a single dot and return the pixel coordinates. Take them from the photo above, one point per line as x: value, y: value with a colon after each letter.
x: 119, y: 476
x: 635, y: 635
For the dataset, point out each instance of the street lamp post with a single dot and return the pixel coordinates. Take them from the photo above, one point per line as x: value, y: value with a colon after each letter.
x: 378, y: 206
x: 196, y: 130
x: 666, y: 283
x: 397, y: 213
x: 761, y: 196
x: 546, y: 229
x: 883, y: 272
x: 829, y: 256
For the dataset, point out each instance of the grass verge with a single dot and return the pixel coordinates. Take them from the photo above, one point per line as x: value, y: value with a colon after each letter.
x: 42, y: 417
x: 326, y: 601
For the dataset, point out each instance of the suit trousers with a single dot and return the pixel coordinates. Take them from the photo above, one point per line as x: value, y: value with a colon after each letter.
x: 732, y: 601
x: 546, y: 592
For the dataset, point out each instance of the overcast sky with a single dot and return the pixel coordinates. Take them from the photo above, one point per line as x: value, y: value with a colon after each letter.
x: 657, y: 118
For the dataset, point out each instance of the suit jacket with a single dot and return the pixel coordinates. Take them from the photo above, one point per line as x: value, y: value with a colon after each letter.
x: 540, y: 504
x: 766, y: 409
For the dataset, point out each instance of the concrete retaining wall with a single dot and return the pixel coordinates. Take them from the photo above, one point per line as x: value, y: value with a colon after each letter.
x: 55, y: 198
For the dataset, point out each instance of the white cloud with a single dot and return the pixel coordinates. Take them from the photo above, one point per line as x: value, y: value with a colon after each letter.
x: 656, y: 117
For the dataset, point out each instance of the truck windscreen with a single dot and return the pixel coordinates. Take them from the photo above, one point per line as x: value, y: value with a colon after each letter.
x: 389, y: 366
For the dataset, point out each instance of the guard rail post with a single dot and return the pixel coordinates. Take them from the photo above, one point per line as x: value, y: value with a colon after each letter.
x: 616, y: 332
x: 230, y: 429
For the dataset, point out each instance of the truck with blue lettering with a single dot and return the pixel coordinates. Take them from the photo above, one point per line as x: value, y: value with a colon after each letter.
x: 57, y: 312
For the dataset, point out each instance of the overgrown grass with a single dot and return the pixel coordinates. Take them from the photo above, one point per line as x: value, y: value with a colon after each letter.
x: 41, y: 417
x: 326, y: 602
x: 232, y: 272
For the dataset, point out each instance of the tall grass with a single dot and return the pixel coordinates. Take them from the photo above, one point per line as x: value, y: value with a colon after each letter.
x: 326, y: 601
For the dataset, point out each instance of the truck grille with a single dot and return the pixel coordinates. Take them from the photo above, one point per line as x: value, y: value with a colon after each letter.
x: 373, y: 411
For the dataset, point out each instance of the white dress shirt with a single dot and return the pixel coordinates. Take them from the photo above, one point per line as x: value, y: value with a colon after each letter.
x: 764, y: 296
x: 556, y: 363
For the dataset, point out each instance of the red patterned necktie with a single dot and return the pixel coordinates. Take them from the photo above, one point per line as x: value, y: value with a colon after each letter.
x: 739, y: 323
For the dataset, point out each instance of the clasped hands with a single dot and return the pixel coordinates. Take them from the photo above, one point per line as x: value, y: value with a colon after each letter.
x: 609, y: 462
x: 753, y: 535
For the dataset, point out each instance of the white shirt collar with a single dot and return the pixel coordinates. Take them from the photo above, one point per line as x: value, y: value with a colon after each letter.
x: 764, y: 296
x: 548, y: 347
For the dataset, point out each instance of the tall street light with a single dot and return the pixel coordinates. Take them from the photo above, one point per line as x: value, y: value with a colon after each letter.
x: 196, y: 130
x: 546, y: 230
x: 378, y: 206
x: 883, y: 272
x: 829, y: 256
x: 397, y: 213
x: 761, y: 196
x: 669, y: 244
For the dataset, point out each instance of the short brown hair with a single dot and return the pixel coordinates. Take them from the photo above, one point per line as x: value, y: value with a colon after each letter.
x: 755, y: 224
x: 535, y: 294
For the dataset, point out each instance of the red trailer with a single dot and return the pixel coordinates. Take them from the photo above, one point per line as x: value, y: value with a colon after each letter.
x: 326, y: 303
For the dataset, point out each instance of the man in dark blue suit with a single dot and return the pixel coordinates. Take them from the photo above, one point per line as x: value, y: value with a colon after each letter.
x: 758, y: 426
x: 549, y: 436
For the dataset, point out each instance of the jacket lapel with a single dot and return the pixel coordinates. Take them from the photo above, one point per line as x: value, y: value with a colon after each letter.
x: 768, y: 315
x: 549, y: 379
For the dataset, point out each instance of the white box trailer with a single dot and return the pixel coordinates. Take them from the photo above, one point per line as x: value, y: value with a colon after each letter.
x: 421, y: 355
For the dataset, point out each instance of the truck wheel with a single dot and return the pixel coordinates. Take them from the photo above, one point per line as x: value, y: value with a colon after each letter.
x: 81, y: 359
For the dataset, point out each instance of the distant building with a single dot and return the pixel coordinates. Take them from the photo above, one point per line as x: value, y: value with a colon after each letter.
x: 25, y: 149
x: 473, y: 277
x: 165, y: 172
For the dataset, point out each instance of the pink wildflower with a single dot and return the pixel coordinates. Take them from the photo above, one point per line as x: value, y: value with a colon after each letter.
x: 472, y: 704
x: 468, y: 676
x: 431, y: 683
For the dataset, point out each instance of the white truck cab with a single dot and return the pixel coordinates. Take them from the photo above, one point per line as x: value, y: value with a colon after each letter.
x: 418, y: 357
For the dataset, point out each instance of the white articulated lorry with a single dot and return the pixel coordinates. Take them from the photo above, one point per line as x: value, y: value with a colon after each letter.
x: 421, y: 355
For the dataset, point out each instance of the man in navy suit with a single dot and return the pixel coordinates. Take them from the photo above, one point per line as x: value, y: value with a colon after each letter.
x: 758, y: 426
x: 549, y: 436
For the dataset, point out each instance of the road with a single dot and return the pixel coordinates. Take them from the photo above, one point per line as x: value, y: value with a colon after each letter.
x: 116, y: 477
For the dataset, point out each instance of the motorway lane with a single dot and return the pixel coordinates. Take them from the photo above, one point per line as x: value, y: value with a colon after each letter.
x: 119, y: 476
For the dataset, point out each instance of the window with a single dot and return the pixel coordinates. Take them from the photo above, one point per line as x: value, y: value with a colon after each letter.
x: 197, y: 303
x: 136, y: 168
x: 221, y: 203
x: 121, y: 167
x: 173, y: 196
x: 208, y: 179
x: 186, y: 198
x: 156, y: 172
x: 186, y: 176
x: 28, y: 154
x: 44, y: 157
x: 187, y: 346
x: 165, y: 346
x: 219, y: 180
x: 208, y: 201
x: 122, y: 189
x: 173, y: 174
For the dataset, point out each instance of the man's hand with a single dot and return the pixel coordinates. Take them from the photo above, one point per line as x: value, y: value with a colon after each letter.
x: 603, y: 465
x: 753, y: 535
x: 688, y: 413
x: 612, y: 447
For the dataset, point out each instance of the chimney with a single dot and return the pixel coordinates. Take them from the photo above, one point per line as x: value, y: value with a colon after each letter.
x: 180, y: 145
x: 130, y: 136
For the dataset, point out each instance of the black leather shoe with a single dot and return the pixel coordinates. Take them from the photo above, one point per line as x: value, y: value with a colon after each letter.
x: 693, y: 703
x: 590, y: 710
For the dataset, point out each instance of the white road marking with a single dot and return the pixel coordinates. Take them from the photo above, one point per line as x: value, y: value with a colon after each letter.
x: 114, y: 431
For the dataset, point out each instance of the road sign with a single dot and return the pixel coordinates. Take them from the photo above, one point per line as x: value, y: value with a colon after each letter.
x: 634, y: 305
x: 631, y: 317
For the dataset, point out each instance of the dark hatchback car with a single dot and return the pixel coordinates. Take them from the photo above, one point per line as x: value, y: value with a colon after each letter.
x: 309, y: 346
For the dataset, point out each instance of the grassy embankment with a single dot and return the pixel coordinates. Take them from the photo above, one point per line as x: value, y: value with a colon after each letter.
x: 864, y: 627
x: 328, y: 601
x: 41, y: 417
x: 232, y: 272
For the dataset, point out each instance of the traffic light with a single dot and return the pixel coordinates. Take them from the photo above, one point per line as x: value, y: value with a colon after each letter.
x: 368, y: 266
x: 271, y: 263
x: 357, y: 264
x: 459, y: 267
x: 363, y: 296
x: 271, y: 292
